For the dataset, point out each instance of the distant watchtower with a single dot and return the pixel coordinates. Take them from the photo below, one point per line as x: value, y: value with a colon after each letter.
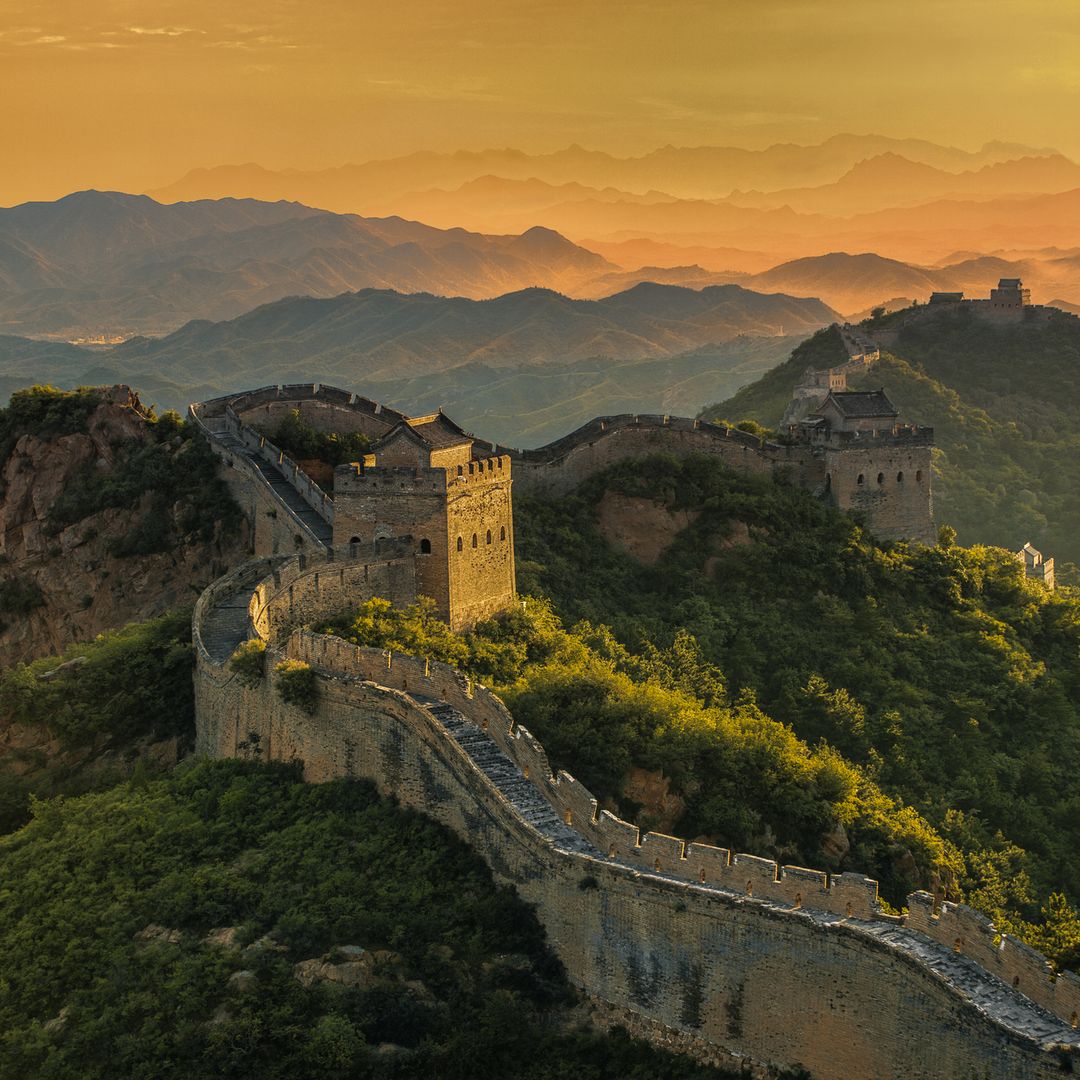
x: 424, y: 482
x: 873, y: 463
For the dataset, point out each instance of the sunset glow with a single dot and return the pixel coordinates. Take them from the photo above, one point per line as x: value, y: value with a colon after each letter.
x: 130, y: 94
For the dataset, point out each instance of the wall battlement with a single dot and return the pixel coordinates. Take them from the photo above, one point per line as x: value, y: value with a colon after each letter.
x: 720, y: 961
x: 563, y: 464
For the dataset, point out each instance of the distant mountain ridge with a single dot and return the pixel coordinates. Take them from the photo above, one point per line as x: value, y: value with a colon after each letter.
x: 688, y: 172
x: 126, y: 262
x: 522, y: 367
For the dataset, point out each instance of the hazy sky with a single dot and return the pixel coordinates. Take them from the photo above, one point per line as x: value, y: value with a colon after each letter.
x: 132, y: 93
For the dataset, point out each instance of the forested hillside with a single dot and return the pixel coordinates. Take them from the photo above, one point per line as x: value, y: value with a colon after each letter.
x: 108, y: 513
x: 231, y: 920
x: 937, y: 677
x: 1004, y: 402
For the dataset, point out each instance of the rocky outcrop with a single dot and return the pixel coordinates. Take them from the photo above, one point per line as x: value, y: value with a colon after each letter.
x: 71, y: 584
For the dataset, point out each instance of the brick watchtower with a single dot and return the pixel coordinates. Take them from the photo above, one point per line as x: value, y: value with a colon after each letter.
x: 873, y: 463
x: 425, y: 483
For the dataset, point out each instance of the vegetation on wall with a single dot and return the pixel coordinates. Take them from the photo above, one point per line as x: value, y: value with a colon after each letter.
x: 155, y: 929
x: 249, y: 660
x: 296, y: 684
x: 302, y: 442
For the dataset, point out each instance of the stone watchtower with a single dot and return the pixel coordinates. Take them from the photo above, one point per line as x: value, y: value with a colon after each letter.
x: 873, y: 463
x: 425, y: 485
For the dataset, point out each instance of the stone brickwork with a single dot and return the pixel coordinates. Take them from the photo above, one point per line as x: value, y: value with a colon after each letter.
x: 722, y: 954
x: 892, y: 509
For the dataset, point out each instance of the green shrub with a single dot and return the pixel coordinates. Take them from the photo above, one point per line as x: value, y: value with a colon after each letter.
x: 45, y: 412
x: 302, y: 442
x: 468, y: 988
x: 249, y: 661
x: 296, y: 684
x: 130, y: 683
x: 19, y: 596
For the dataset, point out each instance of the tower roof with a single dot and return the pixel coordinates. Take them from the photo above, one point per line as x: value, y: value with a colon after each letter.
x: 438, y: 430
x: 861, y: 404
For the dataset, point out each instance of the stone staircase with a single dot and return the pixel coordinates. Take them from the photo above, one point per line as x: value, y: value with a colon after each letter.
x: 506, y: 777
x: 279, y: 483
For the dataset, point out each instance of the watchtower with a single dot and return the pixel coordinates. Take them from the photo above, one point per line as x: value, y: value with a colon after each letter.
x: 425, y: 484
x: 873, y: 463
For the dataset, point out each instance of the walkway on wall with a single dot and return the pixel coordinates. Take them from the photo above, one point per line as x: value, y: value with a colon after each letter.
x: 505, y: 777
x: 277, y: 480
x: 988, y: 993
x: 226, y: 625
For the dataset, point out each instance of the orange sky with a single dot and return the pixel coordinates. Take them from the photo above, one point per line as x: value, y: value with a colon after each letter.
x: 131, y: 93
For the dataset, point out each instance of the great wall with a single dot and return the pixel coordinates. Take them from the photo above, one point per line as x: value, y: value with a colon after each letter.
x: 725, y: 955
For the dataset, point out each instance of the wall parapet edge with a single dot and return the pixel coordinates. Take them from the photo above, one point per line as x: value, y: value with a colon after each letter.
x: 847, y: 895
x: 664, y: 867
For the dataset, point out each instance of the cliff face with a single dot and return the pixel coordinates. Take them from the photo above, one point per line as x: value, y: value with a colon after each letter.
x: 66, y: 578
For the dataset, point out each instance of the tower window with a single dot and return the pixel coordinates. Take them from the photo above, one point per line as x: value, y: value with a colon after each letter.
x: 425, y: 547
x: 918, y: 476
x: 900, y: 477
x: 881, y: 478
x: 502, y: 533
x: 489, y: 536
x: 862, y: 479
x: 474, y: 539
x: 459, y: 470
x: 460, y: 545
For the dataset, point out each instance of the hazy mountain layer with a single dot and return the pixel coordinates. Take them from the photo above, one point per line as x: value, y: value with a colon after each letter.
x: 115, y: 263
x: 522, y: 368
x: 692, y: 172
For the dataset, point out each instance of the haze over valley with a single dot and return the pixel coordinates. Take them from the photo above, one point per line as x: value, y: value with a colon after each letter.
x: 540, y: 541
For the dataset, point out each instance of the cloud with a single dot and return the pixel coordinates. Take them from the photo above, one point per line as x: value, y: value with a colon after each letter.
x: 162, y: 31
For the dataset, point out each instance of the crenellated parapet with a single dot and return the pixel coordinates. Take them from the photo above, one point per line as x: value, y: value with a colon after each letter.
x: 645, y: 922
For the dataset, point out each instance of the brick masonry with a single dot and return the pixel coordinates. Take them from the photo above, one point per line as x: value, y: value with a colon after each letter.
x: 775, y: 965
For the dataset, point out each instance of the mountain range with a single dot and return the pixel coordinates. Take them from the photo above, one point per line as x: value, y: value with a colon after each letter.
x: 112, y: 262
x: 524, y: 366
x: 686, y: 172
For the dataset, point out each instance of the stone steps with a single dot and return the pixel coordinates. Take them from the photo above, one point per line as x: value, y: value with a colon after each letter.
x: 277, y: 480
x: 507, y: 778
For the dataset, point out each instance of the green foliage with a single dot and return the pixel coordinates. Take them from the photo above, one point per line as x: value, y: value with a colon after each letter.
x: 249, y: 661
x: 45, y: 412
x: 175, y: 466
x: 601, y: 709
x: 466, y: 988
x: 126, y: 687
x: 130, y: 682
x: 19, y: 596
x: 764, y: 400
x: 296, y: 684
x: 302, y: 442
x: 1004, y: 402
x: 947, y: 680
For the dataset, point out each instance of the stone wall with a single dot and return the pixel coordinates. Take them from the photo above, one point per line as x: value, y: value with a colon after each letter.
x: 767, y: 963
x: 892, y: 510
x: 480, y: 538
